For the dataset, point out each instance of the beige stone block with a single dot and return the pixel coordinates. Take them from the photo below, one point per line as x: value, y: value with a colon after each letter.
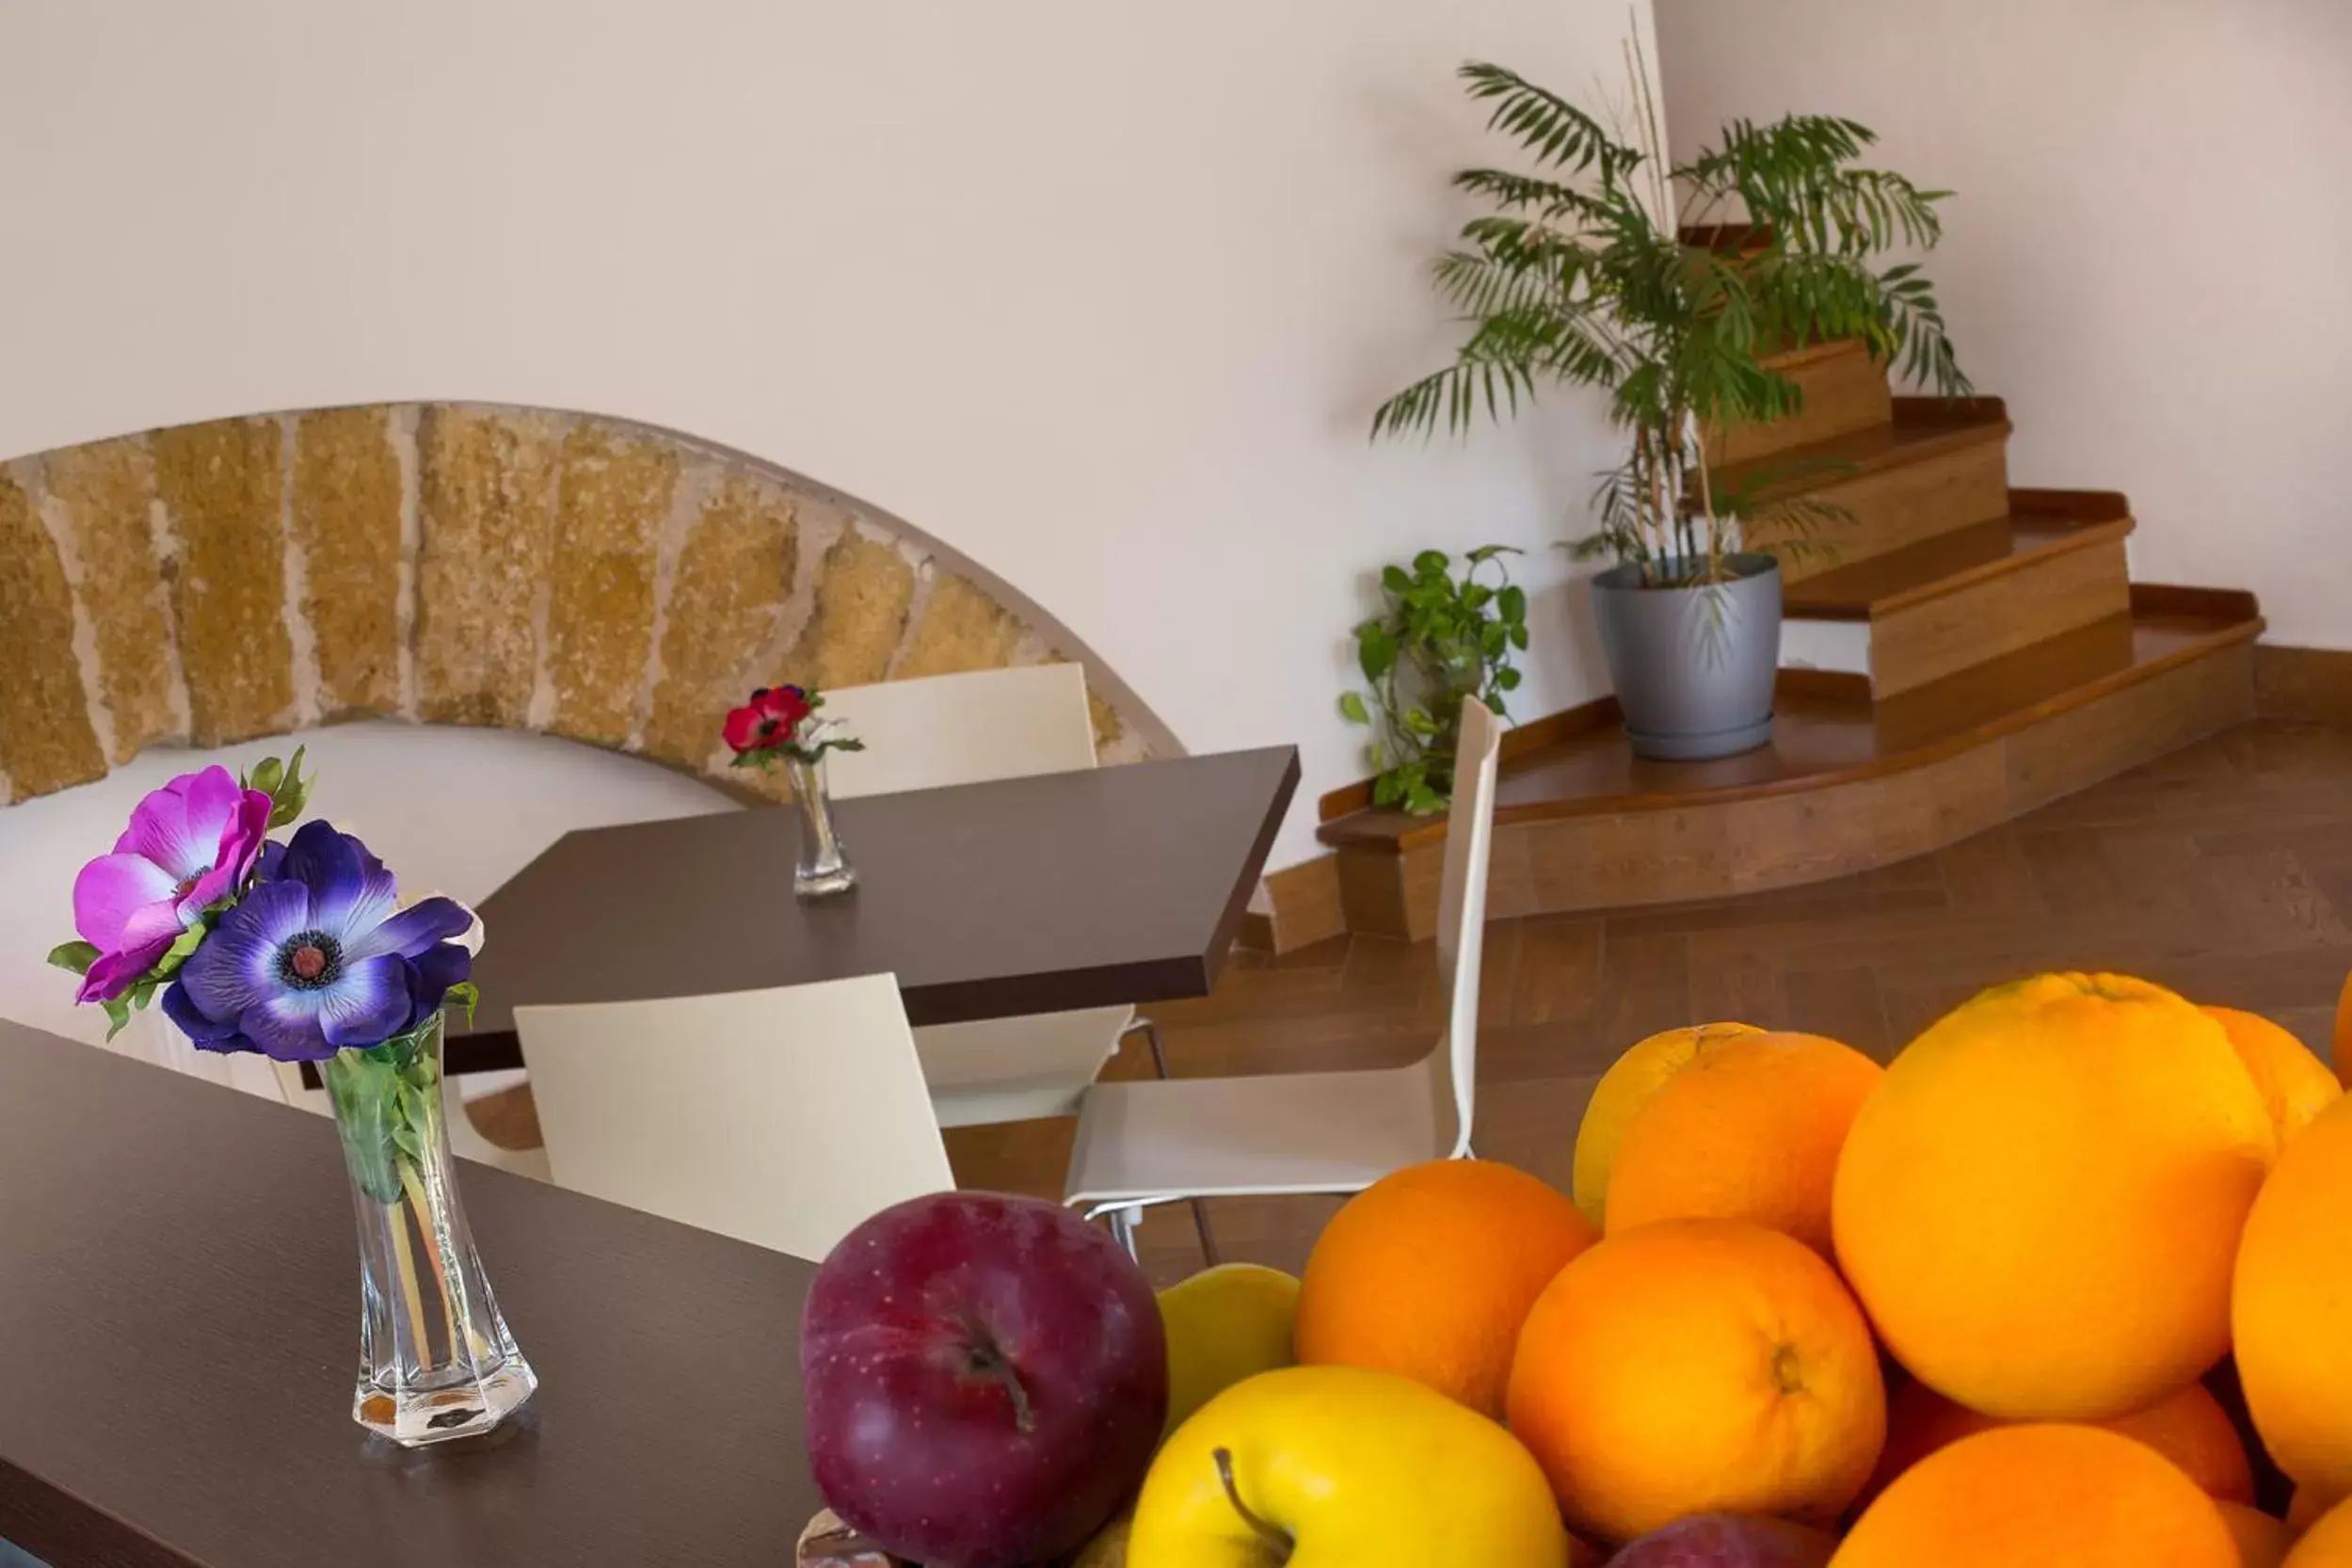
x: 613, y: 499
x: 221, y: 486
x: 962, y: 628
x: 486, y: 519
x: 347, y: 518
x: 733, y: 574
x: 46, y: 740
x: 863, y: 595
x: 1108, y: 727
x: 105, y: 494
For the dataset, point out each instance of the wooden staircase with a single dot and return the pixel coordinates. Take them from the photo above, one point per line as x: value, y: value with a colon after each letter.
x: 2010, y: 661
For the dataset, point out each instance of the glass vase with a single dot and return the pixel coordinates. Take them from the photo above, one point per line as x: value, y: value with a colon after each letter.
x: 437, y: 1361
x: 823, y: 868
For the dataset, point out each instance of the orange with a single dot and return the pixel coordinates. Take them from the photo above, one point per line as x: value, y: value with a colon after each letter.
x: 1428, y: 1274
x: 2040, y: 1203
x: 1693, y: 1366
x: 2327, y: 1544
x: 2293, y: 1287
x: 2040, y: 1497
x: 2340, y: 1041
x: 1624, y: 1088
x: 2262, y: 1541
x: 2294, y: 1084
x: 2188, y: 1427
x: 2305, y: 1507
x: 1749, y: 1131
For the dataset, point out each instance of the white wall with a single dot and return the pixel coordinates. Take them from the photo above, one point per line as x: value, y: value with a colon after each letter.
x: 1101, y: 295
x: 452, y: 812
x: 2145, y: 255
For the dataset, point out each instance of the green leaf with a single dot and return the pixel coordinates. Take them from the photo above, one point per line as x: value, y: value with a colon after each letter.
x: 1519, y: 635
x: 1375, y: 653
x: 182, y: 949
x: 1351, y: 708
x: 465, y: 993
x: 118, y: 1014
x: 1431, y: 563
x: 1508, y: 680
x: 365, y: 1088
x: 1418, y: 722
x: 77, y: 955
x: 1422, y: 801
x: 1395, y: 579
x: 1387, y: 790
x: 1511, y: 604
x: 267, y: 775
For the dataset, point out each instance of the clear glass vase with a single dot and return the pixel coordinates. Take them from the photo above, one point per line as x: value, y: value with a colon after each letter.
x: 435, y: 1358
x: 823, y: 868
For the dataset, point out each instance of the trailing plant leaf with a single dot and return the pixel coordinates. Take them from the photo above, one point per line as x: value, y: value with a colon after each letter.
x: 1439, y: 640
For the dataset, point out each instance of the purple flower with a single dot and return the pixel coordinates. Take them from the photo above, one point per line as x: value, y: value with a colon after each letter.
x: 189, y: 845
x: 319, y: 956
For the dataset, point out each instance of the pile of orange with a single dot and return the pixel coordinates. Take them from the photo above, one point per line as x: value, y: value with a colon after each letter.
x: 1972, y: 1307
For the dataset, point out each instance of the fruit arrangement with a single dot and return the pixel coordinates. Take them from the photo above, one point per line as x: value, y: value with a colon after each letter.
x: 2068, y: 1282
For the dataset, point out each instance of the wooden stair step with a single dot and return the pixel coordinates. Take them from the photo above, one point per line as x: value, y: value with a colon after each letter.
x: 1845, y: 785
x: 1939, y: 467
x: 2040, y: 523
x: 2055, y: 564
x: 1844, y: 392
x: 1827, y: 731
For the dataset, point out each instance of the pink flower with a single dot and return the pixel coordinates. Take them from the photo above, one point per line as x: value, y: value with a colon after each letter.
x: 190, y: 844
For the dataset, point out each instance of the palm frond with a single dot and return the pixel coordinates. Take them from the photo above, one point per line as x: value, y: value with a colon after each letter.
x: 1556, y: 131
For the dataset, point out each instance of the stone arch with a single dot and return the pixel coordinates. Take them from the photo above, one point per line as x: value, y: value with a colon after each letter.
x: 467, y: 563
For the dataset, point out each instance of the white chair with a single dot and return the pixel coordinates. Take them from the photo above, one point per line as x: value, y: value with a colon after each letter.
x: 780, y: 1118
x: 465, y: 1141
x: 973, y: 729
x: 1146, y: 1144
x: 968, y: 729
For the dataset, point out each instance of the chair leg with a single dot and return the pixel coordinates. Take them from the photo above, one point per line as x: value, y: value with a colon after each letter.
x: 1122, y: 1224
x: 1150, y: 1032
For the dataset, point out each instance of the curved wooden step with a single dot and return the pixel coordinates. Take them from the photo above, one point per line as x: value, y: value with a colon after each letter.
x: 1940, y: 465
x: 1845, y: 784
x: 2040, y: 525
x: 2053, y: 565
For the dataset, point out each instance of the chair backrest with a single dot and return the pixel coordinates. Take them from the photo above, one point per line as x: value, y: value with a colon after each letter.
x: 1462, y: 915
x: 961, y: 729
x: 780, y: 1118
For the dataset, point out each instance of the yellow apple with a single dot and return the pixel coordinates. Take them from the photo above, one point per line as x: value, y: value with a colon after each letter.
x: 1224, y: 1325
x: 1339, y: 1468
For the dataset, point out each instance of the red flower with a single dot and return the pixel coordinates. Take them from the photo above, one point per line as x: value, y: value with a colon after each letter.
x: 769, y: 719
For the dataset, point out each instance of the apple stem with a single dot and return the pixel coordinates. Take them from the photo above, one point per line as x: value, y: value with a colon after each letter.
x: 988, y: 1361
x: 1274, y: 1535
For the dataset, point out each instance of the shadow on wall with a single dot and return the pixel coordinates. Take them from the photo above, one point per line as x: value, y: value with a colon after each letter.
x: 466, y: 565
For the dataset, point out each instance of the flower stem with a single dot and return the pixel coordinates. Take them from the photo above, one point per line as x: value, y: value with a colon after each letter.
x: 411, y: 1291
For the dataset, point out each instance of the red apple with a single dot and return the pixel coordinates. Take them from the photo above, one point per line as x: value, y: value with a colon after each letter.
x: 985, y: 1379
x: 1727, y: 1540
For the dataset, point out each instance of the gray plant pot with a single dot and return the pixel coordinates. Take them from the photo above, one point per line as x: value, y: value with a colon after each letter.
x: 1693, y: 666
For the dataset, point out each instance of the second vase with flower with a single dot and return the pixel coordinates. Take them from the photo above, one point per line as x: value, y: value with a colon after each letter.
x: 781, y: 725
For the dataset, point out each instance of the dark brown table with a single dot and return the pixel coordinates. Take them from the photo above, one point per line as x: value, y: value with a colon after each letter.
x: 986, y: 901
x: 179, y: 1323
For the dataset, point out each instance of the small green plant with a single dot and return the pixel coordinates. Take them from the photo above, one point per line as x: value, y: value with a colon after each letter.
x: 1438, y: 640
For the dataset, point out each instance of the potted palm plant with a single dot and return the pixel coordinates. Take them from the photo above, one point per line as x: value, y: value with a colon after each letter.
x: 1610, y: 268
